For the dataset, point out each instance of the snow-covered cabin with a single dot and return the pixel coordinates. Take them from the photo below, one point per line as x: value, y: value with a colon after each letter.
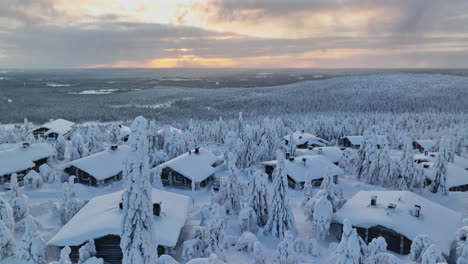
x: 170, y: 129
x: 355, y: 141
x: 307, y: 167
x: 20, y: 158
x: 124, y: 133
x: 423, y: 145
x: 196, y: 165
x: 304, y: 140
x: 100, y: 220
x: 399, y: 217
x: 53, y: 129
x: 333, y: 154
x: 99, y: 168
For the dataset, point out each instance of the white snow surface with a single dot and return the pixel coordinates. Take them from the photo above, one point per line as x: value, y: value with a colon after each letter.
x: 332, y: 153
x: 194, y: 166
x: 104, y: 164
x: 301, y: 138
x: 315, y: 167
x: 456, y: 175
x: 17, y: 158
x: 438, y: 222
x: 101, y: 216
x: 60, y: 126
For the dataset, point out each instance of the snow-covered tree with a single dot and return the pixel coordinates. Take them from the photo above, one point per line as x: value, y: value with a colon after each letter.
x: 45, y: 171
x: 137, y: 240
x: 248, y: 220
x: 78, y: 149
x: 86, y: 251
x: 70, y: 203
x: 6, y: 214
x: 308, y: 190
x: 441, y: 170
x: 231, y: 190
x: 158, y: 158
x: 383, y: 258
x: 155, y: 177
x: 60, y: 147
x: 14, y: 187
x: 258, y: 196
x: 385, y: 168
x: 280, y: 218
x: 250, y: 147
x: 215, y: 228
x: 408, y: 172
x: 352, y: 249
x: 334, y: 193
x: 114, y: 133
x: 94, y: 140
x: 285, y: 253
x: 166, y: 259
x: 432, y: 255
x: 33, y: 180
x: 376, y: 246
x: 259, y: 253
x: 31, y: 247
x: 20, y: 206
x: 7, y: 241
x: 418, y: 246
x: 461, y: 237
x: 64, y: 257
x: 323, y: 214
x: 152, y: 137
x: 229, y: 144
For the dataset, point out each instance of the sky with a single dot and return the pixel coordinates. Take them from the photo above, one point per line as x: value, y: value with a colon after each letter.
x: 234, y: 33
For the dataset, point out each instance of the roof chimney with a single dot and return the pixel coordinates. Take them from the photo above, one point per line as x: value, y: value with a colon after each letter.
x: 197, y: 150
x: 114, y: 147
x: 25, y: 145
x: 291, y: 158
x: 304, y: 161
x: 157, y: 209
x: 311, y: 147
x: 189, y: 152
x: 302, y: 131
x: 300, y: 137
x: 417, y: 210
x: 426, y: 153
x: 373, y: 201
x: 391, y: 206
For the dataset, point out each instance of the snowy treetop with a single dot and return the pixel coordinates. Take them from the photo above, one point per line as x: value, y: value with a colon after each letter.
x: 438, y: 222
x: 18, y: 158
x: 101, y: 216
x: 104, y: 164
x: 194, y: 166
x: 59, y: 126
x: 171, y: 129
x: 315, y: 167
x: 303, y: 137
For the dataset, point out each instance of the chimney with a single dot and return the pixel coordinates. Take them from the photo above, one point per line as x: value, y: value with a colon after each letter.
x: 291, y: 158
x: 189, y: 152
x: 391, y: 206
x: 373, y: 200
x: 302, y: 131
x: 311, y: 147
x: 197, y: 150
x: 287, y: 155
x: 25, y: 145
x: 417, y: 210
x: 157, y: 209
x: 426, y: 153
x: 300, y: 137
x: 114, y: 147
x: 304, y: 161
x: 121, y: 205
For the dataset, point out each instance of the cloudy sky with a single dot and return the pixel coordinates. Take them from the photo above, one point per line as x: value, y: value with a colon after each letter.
x: 234, y: 33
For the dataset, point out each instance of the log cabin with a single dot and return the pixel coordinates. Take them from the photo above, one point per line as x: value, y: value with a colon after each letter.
x: 53, y: 129
x: 354, y: 142
x: 423, y: 145
x: 307, y: 167
x: 100, y: 220
x: 304, y: 140
x: 399, y: 217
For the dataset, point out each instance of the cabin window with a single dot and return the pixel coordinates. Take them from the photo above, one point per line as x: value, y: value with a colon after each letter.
x: 179, y: 178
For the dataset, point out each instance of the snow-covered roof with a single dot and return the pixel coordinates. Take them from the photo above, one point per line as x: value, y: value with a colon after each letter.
x: 315, y: 166
x: 171, y: 128
x: 456, y: 176
x: 59, y: 126
x: 332, y: 153
x: 104, y: 164
x: 101, y: 216
x: 427, y: 144
x: 356, y: 140
x: 303, y: 137
x: 18, y: 158
x: 438, y: 222
x: 460, y: 161
x: 194, y: 166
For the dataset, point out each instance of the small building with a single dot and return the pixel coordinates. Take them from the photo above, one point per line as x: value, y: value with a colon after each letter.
x: 423, y: 145
x: 99, y: 168
x: 196, y: 165
x: 308, y: 167
x: 304, y: 140
x: 333, y: 154
x: 399, y: 217
x: 100, y: 220
x: 354, y: 142
x: 457, y: 177
x: 20, y: 158
x: 52, y: 129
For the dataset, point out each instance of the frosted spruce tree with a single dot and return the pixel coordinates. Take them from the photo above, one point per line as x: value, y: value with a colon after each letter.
x: 6, y: 214
x: 215, y: 229
x: 70, y: 203
x: 386, y: 175
x: 114, y: 133
x: 7, y: 241
x: 45, y: 171
x: 352, y: 249
x: 14, y: 187
x: 251, y: 147
x: 232, y: 197
x: 60, y: 147
x: 137, y: 241
x: 259, y: 253
x: 94, y: 140
x: 78, y: 149
x: 308, y: 190
x: 285, y: 252
x: 280, y: 218
x: 152, y: 137
x: 258, y: 196
x: 31, y: 247
x: 461, y: 237
x: 64, y: 256
x: 322, y: 217
x: 441, y: 168
x: 86, y: 251
x: 433, y: 255
x: 418, y: 246
x: 408, y: 172
x: 20, y: 206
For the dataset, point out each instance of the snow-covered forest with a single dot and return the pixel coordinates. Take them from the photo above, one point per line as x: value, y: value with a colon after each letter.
x: 301, y: 175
